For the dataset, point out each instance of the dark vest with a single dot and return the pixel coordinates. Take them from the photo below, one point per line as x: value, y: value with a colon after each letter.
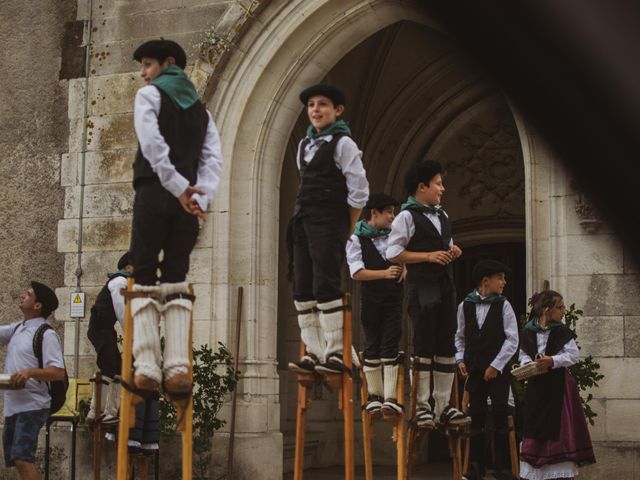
x: 481, y: 345
x: 103, y: 315
x: 427, y: 239
x: 184, y: 131
x: 323, y: 187
x: 377, y: 290
x: 544, y: 395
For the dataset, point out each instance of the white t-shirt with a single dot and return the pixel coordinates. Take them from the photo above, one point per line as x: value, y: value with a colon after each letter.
x: 18, y: 337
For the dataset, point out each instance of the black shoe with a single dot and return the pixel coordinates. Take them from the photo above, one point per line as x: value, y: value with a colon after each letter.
x: 453, y: 416
x: 332, y: 365
x: 374, y: 404
x: 423, y: 418
x: 391, y: 408
x: 306, y: 364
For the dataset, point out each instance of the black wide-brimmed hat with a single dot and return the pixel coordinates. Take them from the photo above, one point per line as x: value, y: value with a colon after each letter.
x: 124, y: 261
x: 486, y: 268
x: 380, y: 200
x: 161, y: 50
x: 46, y: 297
x: 332, y: 93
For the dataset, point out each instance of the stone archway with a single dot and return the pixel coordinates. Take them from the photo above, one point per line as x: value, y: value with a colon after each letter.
x: 290, y: 44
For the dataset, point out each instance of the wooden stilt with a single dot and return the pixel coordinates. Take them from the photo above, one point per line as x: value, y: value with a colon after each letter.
x: 347, y: 392
x: 367, y: 424
x: 399, y: 430
x: 305, y: 383
x: 127, y: 412
x: 513, y: 448
x: 97, y: 427
x: 413, y: 432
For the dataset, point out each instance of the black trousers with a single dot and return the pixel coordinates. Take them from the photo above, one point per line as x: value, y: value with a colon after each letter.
x: 318, y: 244
x: 382, y: 325
x: 105, y: 342
x: 147, y: 427
x: 434, y: 326
x: 160, y: 224
x: 498, y: 391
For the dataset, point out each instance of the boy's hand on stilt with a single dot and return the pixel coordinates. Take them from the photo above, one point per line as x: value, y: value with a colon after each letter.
x: 455, y: 251
x: 19, y: 378
x: 490, y: 373
x: 463, y: 370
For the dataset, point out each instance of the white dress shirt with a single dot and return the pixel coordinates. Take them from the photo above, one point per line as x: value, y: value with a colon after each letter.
x: 354, y: 252
x: 156, y: 151
x: 403, y: 228
x: 509, y: 324
x: 348, y: 159
x: 18, y: 337
x: 567, y: 356
x: 115, y: 285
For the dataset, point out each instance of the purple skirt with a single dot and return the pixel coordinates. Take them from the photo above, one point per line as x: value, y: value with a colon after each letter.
x: 573, y: 443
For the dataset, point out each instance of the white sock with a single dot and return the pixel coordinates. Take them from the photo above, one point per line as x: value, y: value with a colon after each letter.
x: 146, y: 336
x: 332, y: 326
x: 390, y: 379
x: 103, y: 399
x: 171, y: 288
x: 310, y: 330
x: 177, y: 320
x: 373, y: 373
x: 442, y: 383
x: 424, y: 384
x: 113, y: 400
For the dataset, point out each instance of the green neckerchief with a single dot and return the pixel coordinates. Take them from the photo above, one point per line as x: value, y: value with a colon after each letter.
x: 124, y: 273
x: 339, y: 126
x: 174, y: 82
x: 363, y: 229
x: 474, y: 297
x: 413, y: 203
x: 534, y: 325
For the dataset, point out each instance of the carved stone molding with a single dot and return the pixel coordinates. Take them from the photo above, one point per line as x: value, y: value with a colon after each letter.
x: 587, y: 214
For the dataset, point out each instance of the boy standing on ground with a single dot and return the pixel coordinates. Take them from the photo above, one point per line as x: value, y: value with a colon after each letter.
x: 421, y: 238
x: 175, y: 175
x: 486, y: 340
x: 333, y: 190
x: 26, y: 410
x: 380, y: 302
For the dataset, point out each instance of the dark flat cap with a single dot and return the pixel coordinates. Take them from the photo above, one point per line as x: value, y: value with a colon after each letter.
x: 124, y: 261
x: 380, y: 200
x: 486, y: 268
x: 46, y: 297
x: 161, y: 50
x: 329, y: 91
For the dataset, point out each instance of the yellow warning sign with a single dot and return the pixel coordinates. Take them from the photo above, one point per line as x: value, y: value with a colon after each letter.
x: 77, y: 299
x: 76, y: 304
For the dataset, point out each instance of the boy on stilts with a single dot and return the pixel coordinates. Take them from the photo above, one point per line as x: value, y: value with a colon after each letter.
x: 486, y: 340
x: 381, y: 303
x: 333, y: 190
x: 421, y: 238
x: 175, y: 175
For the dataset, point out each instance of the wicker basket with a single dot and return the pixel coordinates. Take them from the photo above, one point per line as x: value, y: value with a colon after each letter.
x: 525, y: 372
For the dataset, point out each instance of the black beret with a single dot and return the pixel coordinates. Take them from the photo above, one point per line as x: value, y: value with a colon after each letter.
x: 486, y: 268
x: 46, y: 297
x: 329, y: 91
x: 124, y: 261
x: 380, y: 200
x: 161, y: 50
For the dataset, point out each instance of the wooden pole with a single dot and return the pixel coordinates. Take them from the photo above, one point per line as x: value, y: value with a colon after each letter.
x: 411, y: 434
x: 367, y: 424
x: 126, y: 407
x: 97, y: 430
x: 513, y: 449
x: 401, y: 433
x: 301, y: 413
x: 234, y: 395
x: 347, y: 392
x: 187, y: 422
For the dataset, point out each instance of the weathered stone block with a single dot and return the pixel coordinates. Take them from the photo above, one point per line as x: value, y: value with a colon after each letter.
x: 111, y: 132
x: 113, y: 94
x: 110, y: 200
x: 632, y: 336
x: 622, y: 422
x: 604, y: 295
x: 616, y: 383
x: 109, y: 166
x: 601, y: 336
x: 614, y: 460
x: 590, y: 254
x: 98, y: 234
x: 95, y: 266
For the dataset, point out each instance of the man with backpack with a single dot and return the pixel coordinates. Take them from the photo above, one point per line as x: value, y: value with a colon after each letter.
x: 34, y: 361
